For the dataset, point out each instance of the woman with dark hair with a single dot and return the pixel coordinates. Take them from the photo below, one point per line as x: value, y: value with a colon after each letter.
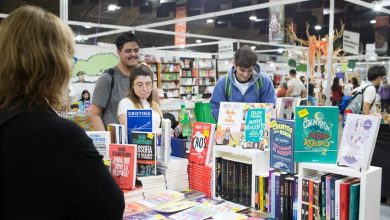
x: 337, y: 91
x: 85, y: 96
x: 50, y: 167
x: 355, y: 83
x: 140, y: 96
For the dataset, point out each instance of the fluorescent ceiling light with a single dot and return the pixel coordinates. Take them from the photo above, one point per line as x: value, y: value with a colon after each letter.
x: 113, y: 7
x: 198, y: 41
x: 182, y: 46
x: 253, y: 47
x: 252, y: 18
x: 317, y: 27
x: 209, y: 21
x: 87, y: 26
x: 78, y: 38
x: 377, y: 6
x: 373, y: 21
x: 280, y: 50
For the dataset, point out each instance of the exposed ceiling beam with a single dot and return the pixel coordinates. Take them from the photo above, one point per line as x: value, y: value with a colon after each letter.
x: 369, y: 5
x: 187, y: 45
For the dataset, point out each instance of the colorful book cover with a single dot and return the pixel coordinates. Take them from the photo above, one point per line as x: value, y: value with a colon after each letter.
x: 254, y: 128
x: 198, y: 212
x: 284, y: 107
x: 201, y: 143
x: 230, y: 123
x: 175, y: 207
x: 123, y: 164
x: 101, y: 141
x: 282, y: 145
x: 358, y: 141
x: 139, y: 120
x: 316, y: 130
x: 146, y: 152
x: 133, y: 208
x: 165, y: 197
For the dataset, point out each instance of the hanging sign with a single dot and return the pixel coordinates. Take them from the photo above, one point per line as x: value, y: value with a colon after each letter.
x: 225, y: 49
x: 351, y: 42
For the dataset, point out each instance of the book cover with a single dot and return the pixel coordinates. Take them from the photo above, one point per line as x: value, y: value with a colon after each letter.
x: 123, y: 164
x: 101, y: 140
x: 230, y: 121
x: 358, y: 141
x: 316, y: 130
x: 282, y: 145
x: 201, y: 143
x: 198, y: 212
x: 146, y: 152
x: 284, y: 107
x: 134, y: 208
x: 117, y: 133
x: 166, y: 147
x: 139, y: 120
x: 254, y: 128
x: 268, y: 114
x: 165, y: 197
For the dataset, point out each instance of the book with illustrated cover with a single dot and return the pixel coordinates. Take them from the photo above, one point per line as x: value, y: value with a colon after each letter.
x: 162, y: 198
x: 254, y: 128
x: 123, y: 164
x: 316, y: 133
x: 198, y: 212
x: 282, y: 145
x: 146, y: 152
x: 268, y: 114
x: 358, y: 141
x: 284, y: 107
x: 133, y: 208
x: 101, y: 140
x: 139, y: 120
x: 230, y: 122
x: 201, y: 143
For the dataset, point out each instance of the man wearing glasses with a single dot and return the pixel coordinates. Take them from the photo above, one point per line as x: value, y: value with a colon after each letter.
x: 113, y: 85
x: 243, y: 83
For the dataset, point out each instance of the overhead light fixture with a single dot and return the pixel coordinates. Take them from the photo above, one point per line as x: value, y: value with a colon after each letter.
x: 317, y: 27
x: 113, y: 7
x: 383, y: 62
x: 280, y: 50
x: 252, y: 18
x: 78, y: 38
x: 198, y: 41
x: 377, y: 6
x: 259, y: 19
x: 182, y: 46
x: 373, y: 21
x: 87, y: 26
x: 209, y: 21
x: 253, y: 47
x: 226, y: 62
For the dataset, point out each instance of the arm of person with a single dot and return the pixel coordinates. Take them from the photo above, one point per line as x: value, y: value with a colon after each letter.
x: 267, y: 92
x: 304, y: 93
x: 289, y: 90
x: 96, y: 117
x: 217, y: 97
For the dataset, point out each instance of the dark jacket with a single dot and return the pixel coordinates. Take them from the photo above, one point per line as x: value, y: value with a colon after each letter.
x: 51, y: 170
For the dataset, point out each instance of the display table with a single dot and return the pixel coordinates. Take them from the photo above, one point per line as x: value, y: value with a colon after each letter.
x: 381, y: 157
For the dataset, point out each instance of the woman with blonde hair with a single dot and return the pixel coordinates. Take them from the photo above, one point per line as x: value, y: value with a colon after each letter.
x: 50, y: 168
x: 140, y: 96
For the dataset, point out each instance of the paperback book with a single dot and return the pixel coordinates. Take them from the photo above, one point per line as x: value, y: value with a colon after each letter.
x: 201, y: 142
x: 123, y: 164
x: 139, y: 120
x: 165, y: 144
x: 254, y: 128
x: 316, y: 136
x: 358, y: 141
x: 230, y: 121
x: 284, y: 107
x: 282, y: 145
x: 101, y: 140
x: 146, y: 152
x: 117, y: 133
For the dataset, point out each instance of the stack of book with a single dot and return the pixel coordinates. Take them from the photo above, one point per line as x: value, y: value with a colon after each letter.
x: 152, y: 184
x: 200, y: 178
x: 133, y: 195
x: 175, y: 173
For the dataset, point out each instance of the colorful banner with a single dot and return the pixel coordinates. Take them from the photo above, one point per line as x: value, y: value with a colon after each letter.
x: 181, y: 12
x: 276, y: 25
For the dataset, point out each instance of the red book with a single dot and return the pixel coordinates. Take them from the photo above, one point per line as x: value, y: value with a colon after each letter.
x: 344, y: 198
x: 123, y: 164
x: 311, y: 194
x: 201, y: 142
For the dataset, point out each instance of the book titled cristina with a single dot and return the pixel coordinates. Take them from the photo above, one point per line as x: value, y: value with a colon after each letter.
x: 316, y: 133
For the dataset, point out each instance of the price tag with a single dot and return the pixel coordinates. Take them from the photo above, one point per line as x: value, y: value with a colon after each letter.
x: 150, y: 135
x: 303, y: 113
x: 206, y: 133
x: 273, y: 123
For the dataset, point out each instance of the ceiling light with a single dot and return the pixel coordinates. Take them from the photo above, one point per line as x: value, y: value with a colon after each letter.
x: 377, y: 6
x: 78, y: 38
x: 87, y: 26
x: 373, y: 21
x: 226, y: 62
x: 253, y: 47
x: 183, y: 46
x: 198, y: 41
x: 317, y: 27
x: 271, y: 64
x: 383, y: 62
x: 252, y: 18
x: 280, y: 50
x: 259, y: 19
x: 209, y: 21
x: 113, y: 7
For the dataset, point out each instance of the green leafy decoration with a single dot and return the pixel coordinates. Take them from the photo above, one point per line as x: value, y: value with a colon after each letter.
x: 301, y: 68
x: 95, y: 64
x: 292, y: 63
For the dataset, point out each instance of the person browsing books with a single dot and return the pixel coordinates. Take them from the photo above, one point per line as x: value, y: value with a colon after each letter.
x: 140, y: 96
x: 50, y: 167
x: 295, y: 87
x: 244, y: 83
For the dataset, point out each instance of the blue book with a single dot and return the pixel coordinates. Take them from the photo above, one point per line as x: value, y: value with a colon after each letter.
x: 138, y: 120
x: 282, y: 145
x: 254, y: 128
x: 316, y: 129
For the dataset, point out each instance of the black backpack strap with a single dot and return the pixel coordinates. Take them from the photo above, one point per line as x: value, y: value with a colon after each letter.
x: 111, y: 72
x: 364, y: 89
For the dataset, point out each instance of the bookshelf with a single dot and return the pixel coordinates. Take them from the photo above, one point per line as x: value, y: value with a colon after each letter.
x: 188, y: 78
x: 258, y: 159
x: 155, y: 68
x: 206, y: 75
x: 170, y: 79
x: 370, y: 186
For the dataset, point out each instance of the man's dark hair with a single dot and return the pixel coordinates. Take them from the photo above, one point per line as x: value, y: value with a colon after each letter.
x: 125, y: 38
x: 375, y: 72
x: 293, y: 72
x: 245, y: 57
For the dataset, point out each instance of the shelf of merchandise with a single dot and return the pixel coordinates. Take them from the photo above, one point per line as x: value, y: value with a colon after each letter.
x: 370, y: 186
x: 170, y: 79
x: 188, y: 78
x: 206, y: 75
x: 155, y: 68
x: 259, y: 160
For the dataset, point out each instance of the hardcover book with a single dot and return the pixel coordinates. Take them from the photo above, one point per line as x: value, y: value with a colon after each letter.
x: 254, y: 128
x: 117, y: 133
x: 101, y: 141
x: 282, y: 145
x: 139, y: 120
x: 316, y: 136
x: 284, y: 107
x: 358, y: 141
x: 230, y: 122
x: 146, y: 152
x: 201, y: 143
x: 123, y: 164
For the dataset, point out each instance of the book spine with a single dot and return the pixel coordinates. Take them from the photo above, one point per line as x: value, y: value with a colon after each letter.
x: 218, y: 176
x: 354, y: 202
x: 242, y: 184
x: 223, y: 178
x: 295, y: 199
x: 305, y: 198
x: 310, y: 199
x: 248, y: 197
x: 277, y: 197
x: 234, y: 178
x: 344, y: 200
x: 273, y: 194
x: 328, y: 196
x: 266, y: 195
x: 261, y: 194
x: 316, y: 199
x: 337, y: 200
x: 323, y: 198
x: 282, y: 196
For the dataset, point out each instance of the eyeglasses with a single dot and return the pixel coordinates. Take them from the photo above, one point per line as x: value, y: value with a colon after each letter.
x: 141, y: 85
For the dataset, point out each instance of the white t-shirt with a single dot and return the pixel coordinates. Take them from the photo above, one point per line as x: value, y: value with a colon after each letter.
x: 297, y: 86
x: 369, y: 95
x: 126, y: 104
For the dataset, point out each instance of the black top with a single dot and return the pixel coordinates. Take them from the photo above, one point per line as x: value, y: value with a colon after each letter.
x: 311, y: 89
x: 51, y: 170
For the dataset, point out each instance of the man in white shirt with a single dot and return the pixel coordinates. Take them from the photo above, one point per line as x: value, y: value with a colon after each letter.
x: 375, y: 76
x: 295, y: 87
